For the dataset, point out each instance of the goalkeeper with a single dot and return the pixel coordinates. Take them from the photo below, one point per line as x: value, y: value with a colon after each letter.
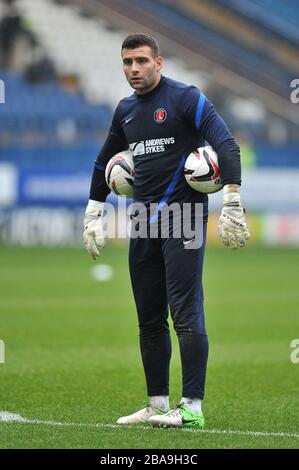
x: 164, y: 273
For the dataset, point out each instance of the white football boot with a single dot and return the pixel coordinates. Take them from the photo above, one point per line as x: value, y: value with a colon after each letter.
x: 140, y: 417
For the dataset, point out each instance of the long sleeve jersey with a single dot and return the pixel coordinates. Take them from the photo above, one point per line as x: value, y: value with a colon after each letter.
x: 161, y: 128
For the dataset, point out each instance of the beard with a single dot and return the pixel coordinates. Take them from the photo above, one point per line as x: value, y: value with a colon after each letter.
x: 142, y: 83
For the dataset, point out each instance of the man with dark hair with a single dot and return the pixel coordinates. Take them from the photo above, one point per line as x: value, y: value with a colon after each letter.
x: 137, y: 40
x: 169, y: 120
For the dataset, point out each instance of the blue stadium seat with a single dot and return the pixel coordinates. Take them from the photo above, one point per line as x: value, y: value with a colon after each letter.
x: 40, y: 108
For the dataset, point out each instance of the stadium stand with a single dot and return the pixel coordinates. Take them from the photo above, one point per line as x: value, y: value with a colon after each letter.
x: 255, y: 65
x: 47, y: 115
x: 95, y: 59
x: 229, y: 77
x: 283, y: 19
x: 242, y: 30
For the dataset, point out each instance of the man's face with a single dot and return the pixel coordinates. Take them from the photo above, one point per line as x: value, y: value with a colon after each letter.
x: 142, y: 70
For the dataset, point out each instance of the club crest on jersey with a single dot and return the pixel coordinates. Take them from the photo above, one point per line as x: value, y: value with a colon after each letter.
x: 160, y: 115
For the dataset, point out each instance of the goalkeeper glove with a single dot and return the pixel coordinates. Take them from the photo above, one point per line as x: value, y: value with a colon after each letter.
x: 232, y: 224
x: 93, y: 235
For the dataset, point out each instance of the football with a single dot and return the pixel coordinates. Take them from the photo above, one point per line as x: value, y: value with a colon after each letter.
x: 202, y: 171
x: 120, y: 174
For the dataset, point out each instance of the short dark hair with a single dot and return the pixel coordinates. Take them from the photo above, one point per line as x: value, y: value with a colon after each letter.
x: 136, y: 40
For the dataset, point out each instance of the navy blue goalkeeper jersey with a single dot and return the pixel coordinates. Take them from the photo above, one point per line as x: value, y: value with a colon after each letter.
x: 162, y: 127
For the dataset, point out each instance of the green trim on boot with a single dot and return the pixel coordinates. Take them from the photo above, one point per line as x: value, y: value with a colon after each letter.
x: 189, y: 418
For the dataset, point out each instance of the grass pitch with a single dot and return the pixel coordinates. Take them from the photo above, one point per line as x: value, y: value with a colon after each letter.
x: 72, y: 354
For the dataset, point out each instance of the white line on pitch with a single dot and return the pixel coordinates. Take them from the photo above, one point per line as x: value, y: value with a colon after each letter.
x: 7, y: 417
